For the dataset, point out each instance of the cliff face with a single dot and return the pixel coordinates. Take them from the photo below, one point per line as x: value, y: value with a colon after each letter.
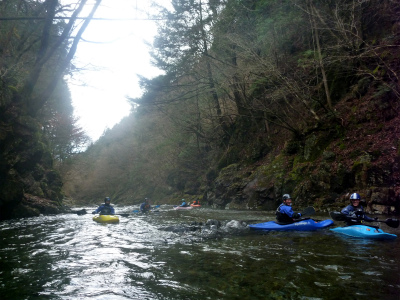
x: 26, y: 167
x: 355, y: 151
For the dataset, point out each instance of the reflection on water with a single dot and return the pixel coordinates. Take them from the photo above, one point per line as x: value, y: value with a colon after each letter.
x: 72, y: 257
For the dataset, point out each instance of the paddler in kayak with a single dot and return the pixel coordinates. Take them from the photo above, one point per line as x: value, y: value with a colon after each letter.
x: 285, y: 213
x: 106, y: 208
x: 145, y: 206
x: 184, y: 204
x: 355, y: 211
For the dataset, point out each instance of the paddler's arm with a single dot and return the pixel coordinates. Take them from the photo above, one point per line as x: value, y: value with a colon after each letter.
x: 369, y: 219
x: 289, y: 211
x: 97, y: 210
x: 296, y: 215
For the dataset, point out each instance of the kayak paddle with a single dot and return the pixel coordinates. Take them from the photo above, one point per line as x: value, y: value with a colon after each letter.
x: 308, y: 211
x: 338, y: 216
x: 80, y: 212
x: 136, y: 210
x: 124, y: 215
x: 394, y: 223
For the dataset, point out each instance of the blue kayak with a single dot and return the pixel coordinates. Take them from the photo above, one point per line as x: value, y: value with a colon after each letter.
x: 365, y: 232
x: 303, y: 225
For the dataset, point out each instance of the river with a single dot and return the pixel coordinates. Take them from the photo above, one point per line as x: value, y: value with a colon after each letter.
x: 72, y: 257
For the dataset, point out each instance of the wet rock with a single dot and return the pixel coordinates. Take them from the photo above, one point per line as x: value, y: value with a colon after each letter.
x: 195, y: 223
x: 213, y: 222
x: 33, y: 206
x: 81, y: 212
x: 235, y: 224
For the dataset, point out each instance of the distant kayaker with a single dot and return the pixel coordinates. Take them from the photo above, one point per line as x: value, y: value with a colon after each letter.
x: 145, y: 206
x: 355, y: 211
x: 285, y: 213
x: 184, y: 204
x: 196, y: 202
x: 106, y: 208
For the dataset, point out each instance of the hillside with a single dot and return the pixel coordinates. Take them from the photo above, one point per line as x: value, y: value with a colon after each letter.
x: 258, y: 98
x: 357, y: 152
x: 247, y: 115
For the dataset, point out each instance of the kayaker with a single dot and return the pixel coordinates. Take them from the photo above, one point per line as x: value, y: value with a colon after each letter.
x: 285, y: 213
x: 196, y: 202
x: 145, y: 206
x: 106, y: 208
x: 184, y: 204
x: 355, y: 211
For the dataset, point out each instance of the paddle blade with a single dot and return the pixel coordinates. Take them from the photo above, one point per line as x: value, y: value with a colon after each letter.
x: 392, y: 223
x: 135, y: 211
x: 308, y: 211
x: 80, y: 212
x: 124, y: 215
x: 337, y: 216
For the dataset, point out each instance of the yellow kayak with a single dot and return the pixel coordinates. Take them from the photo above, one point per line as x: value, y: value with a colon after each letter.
x: 106, y: 219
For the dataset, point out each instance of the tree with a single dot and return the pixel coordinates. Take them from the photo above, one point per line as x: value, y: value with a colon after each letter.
x: 182, y: 43
x: 36, y: 50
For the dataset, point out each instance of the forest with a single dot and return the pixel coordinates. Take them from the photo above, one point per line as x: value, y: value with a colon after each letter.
x: 258, y: 98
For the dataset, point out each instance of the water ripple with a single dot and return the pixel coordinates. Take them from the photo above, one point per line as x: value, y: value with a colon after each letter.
x: 72, y: 257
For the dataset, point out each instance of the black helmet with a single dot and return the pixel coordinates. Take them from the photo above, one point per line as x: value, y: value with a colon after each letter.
x: 286, y: 196
x: 107, y: 199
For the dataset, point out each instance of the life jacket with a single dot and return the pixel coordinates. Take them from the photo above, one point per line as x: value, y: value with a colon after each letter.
x: 282, y: 217
x: 105, y: 210
x: 356, y: 215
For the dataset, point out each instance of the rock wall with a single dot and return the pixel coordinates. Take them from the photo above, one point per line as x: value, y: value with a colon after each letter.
x: 322, y: 168
x: 26, y: 166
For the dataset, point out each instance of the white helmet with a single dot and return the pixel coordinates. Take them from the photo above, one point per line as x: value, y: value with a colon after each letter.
x: 355, y: 196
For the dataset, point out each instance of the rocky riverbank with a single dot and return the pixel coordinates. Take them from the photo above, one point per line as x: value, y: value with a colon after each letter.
x: 33, y: 206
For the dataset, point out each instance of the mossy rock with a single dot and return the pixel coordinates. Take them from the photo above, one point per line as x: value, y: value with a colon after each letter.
x: 24, y: 211
x: 231, y: 157
x: 329, y: 156
x: 211, y: 175
x: 298, y: 171
x: 315, y: 145
x: 362, y: 163
x: 228, y: 172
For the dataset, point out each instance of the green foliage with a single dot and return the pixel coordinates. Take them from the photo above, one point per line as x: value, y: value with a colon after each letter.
x: 382, y: 90
x: 243, y: 77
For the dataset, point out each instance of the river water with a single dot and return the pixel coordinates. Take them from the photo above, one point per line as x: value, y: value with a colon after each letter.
x: 151, y: 257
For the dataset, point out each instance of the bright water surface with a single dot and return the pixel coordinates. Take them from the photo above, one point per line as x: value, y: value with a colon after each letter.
x: 72, y: 257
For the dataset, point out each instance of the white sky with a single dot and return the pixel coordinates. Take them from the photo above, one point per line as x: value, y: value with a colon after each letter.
x: 111, y: 64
